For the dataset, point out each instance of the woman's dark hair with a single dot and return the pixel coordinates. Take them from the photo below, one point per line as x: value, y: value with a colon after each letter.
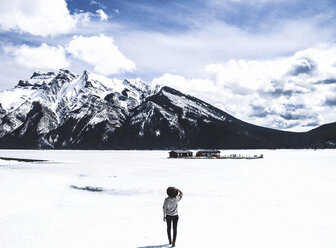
x: 172, y: 192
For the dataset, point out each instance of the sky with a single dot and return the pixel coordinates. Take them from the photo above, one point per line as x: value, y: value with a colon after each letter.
x: 268, y: 62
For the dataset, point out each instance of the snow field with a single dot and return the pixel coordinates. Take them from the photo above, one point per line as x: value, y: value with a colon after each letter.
x: 286, y: 199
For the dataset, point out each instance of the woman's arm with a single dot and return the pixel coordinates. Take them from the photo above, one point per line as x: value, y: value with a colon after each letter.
x: 164, y: 216
x: 179, y: 191
x: 179, y: 197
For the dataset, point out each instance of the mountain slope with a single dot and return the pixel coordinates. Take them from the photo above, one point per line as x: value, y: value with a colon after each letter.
x: 170, y: 119
x: 69, y: 111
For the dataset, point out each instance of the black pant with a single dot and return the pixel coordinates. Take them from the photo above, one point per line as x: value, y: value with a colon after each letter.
x: 169, y: 220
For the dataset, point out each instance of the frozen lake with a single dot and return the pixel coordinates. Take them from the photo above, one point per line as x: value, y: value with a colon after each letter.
x: 287, y: 199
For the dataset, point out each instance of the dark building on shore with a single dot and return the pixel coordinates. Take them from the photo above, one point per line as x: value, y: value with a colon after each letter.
x: 180, y: 154
x: 208, y: 153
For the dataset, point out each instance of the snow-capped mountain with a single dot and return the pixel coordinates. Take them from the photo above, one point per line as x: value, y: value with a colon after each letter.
x: 90, y: 111
x: 57, y: 101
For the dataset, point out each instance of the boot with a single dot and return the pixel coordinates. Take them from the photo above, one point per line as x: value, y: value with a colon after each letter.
x: 173, y: 244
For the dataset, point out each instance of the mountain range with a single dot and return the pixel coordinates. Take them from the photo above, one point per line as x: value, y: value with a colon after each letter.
x: 90, y: 111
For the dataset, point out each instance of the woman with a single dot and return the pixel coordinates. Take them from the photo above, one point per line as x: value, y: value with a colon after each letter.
x: 170, y: 213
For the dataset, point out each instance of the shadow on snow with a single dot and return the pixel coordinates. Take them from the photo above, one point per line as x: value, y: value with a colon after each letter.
x: 154, y: 246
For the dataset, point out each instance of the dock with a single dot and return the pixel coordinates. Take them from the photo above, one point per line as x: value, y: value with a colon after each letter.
x: 227, y: 157
x: 209, y: 154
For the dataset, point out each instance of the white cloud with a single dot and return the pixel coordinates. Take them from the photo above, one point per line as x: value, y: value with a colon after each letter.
x: 100, y: 4
x: 211, y: 42
x: 290, y: 90
x: 42, y: 57
x: 82, y: 17
x: 297, y: 72
x: 102, y: 15
x: 100, y: 52
x: 186, y: 85
x: 295, y: 92
x: 37, y: 17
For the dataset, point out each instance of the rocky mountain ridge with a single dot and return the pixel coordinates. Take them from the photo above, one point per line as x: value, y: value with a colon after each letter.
x: 89, y: 111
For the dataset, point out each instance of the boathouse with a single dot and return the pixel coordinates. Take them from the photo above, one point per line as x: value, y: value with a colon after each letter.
x: 180, y: 154
x: 208, y: 153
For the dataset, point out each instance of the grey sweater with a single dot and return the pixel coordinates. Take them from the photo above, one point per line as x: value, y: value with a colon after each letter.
x: 170, y: 205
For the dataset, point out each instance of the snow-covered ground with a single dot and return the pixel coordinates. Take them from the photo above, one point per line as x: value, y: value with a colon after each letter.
x: 286, y: 200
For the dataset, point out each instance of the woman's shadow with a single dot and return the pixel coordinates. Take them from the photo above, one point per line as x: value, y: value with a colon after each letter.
x: 154, y: 246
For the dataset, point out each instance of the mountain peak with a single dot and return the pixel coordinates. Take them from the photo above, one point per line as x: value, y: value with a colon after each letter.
x: 85, y: 75
x: 149, y: 88
x: 66, y: 74
x: 126, y: 82
x: 42, y: 75
x: 37, y: 79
